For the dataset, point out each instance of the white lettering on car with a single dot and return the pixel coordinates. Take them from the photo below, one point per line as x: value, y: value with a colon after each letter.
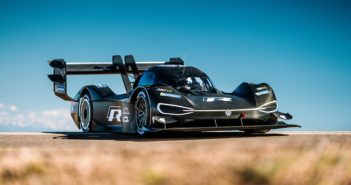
x: 114, y: 112
x: 213, y: 99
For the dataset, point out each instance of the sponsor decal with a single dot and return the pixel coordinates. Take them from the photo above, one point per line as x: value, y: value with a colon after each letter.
x: 213, y: 99
x: 170, y: 95
x: 125, y: 119
x: 228, y: 113
x: 114, y: 112
x: 60, y: 88
x: 125, y: 110
x: 164, y: 90
x: 259, y: 93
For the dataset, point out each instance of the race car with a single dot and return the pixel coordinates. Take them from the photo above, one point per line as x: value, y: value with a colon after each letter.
x: 164, y: 96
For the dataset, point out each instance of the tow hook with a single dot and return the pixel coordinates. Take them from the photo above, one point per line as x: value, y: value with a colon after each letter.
x: 241, y: 117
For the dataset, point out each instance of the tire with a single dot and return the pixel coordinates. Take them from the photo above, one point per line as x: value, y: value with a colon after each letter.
x: 263, y: 131
x: 85, y: 113
x: 142, y: 113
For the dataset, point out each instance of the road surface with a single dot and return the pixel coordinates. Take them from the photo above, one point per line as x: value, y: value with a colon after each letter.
x: 172, y: 158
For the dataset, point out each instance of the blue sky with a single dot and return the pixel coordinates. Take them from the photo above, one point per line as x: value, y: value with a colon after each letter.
x: 301, y: 48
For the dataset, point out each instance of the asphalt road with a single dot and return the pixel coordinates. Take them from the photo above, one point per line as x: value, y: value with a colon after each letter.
x: 211, y: 158
x: 101, y: 140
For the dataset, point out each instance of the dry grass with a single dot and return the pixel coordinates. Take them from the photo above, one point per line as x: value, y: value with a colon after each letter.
x: 291, y: 160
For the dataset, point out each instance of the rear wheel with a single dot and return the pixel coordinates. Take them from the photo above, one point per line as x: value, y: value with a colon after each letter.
x: 142, y: 113
x: 85, y: 113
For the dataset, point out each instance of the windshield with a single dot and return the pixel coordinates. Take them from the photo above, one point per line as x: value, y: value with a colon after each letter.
x: 195, y: 84
x: 185, y: 79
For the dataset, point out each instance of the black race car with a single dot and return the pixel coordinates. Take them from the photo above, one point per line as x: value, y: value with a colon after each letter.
x: 165, y: 95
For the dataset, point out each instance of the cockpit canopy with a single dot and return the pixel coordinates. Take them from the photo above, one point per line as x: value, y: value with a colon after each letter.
x: 185, y: 79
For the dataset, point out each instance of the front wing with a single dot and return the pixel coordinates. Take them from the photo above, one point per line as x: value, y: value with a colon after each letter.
x: 278, y: 125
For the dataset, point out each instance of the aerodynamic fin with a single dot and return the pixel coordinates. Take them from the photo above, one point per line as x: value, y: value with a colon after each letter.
x: 59, y: 78
x: 281, y: 115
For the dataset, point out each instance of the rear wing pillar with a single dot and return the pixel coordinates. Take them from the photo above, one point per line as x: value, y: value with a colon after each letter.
x: 117, y: 62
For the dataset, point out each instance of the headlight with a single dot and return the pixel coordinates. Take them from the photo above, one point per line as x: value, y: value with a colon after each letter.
x: 171, y: 109
x: 269, y: 107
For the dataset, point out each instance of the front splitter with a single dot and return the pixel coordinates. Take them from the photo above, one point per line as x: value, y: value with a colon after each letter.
x: 248, y: 127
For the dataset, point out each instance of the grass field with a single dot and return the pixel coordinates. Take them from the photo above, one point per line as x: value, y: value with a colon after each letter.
x: 211, y: 159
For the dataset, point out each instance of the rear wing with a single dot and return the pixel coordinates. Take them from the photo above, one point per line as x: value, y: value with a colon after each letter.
x: 129, y: 66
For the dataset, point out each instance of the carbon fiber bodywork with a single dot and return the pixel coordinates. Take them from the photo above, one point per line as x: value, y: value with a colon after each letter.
x: 168, y: 106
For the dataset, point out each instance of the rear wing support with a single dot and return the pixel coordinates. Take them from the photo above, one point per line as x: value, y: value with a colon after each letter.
x: 61, y: 69
x: 117, y: 62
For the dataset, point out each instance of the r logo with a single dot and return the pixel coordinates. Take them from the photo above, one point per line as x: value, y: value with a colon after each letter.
x: 114, y: 112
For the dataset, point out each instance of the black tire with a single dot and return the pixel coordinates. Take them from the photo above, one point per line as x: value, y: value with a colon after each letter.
x: 263, y: 131
x: 142, y: 113
x: 85, y: 113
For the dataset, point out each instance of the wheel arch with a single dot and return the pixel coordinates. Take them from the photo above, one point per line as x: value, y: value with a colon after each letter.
x: 95, y: 92
x: 135, y: 93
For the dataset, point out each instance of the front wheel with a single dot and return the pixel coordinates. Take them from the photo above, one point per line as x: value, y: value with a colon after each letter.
x: 142, y: 113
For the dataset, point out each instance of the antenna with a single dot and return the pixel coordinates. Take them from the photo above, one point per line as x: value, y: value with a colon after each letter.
x: 184, y: 55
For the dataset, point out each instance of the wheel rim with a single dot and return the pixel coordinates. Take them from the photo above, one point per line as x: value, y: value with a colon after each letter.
x: 141, y: 115
x: 84, y: 114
